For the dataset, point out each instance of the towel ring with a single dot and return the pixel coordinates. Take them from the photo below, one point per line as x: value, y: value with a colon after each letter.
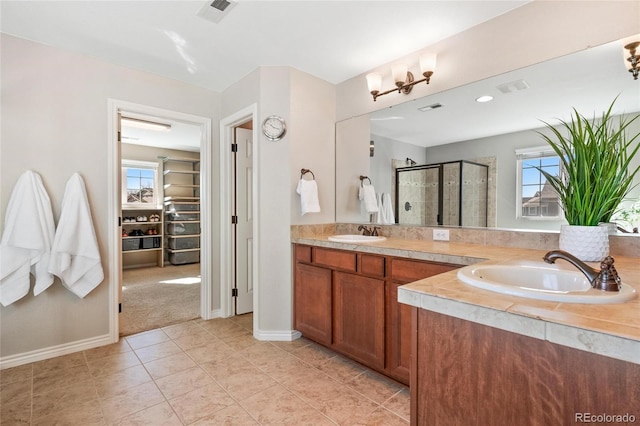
x: 362, y: 178
x: 305, y: 171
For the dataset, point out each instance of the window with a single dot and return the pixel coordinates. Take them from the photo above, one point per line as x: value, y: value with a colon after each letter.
x: 537, y: 199
x: 140, y: 184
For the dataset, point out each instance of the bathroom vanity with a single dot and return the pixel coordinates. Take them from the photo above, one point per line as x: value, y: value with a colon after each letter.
x: 475, y: 357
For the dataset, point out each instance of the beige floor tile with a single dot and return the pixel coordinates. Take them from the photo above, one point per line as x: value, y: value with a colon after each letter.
x: 382, y: 417
x: 169, y: 365
x: 157, y: 351
x: 195, y: 339
x: 16, y: 374
x: 242, y: 341
x: 114, y: 384
x: 233, y: 415
x: 200, y: 403
x: 280, y: 364
x: 342, y: 369
x: 245, y: 382
x: 314, y: 354
x: 59, y: 363
x: 222, y: 368
x: 160, y: 414
x: 278, y: 406
x: 293, y: 345
x: 62, y: 399
x: 185, y: 381
x: 131, y: 401
x: 11, y: 392
x: 86, y: 414
x: 184, y: 328
x: 400, y: 404
x: 60, y: 378
x: 112, y: 364
x: 375, y: 386
x: 347, y: 407
x: 147, y: 338
x: 314, y: 386
x: 210, y: 352
x: 223, y: 328
x: 107, y: 350
x: 16, y: 413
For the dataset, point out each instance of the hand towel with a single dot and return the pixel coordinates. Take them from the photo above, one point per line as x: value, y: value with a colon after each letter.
x: 367, y: 194
x: 26, y: 240
x: 75, y: 257
x: 308, y: 190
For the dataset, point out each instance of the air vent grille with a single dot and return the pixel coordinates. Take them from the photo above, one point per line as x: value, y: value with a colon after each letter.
x: 513, y: 86
x: 430, y: 107
x: 216, y: 10
x: 221, y: 5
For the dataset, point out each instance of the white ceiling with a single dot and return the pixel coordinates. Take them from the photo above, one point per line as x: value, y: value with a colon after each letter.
x: 332, y: 40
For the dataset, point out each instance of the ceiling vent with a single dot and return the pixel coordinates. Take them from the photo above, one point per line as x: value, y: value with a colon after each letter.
x: 215, y: 11
x: 430, y: 107
x: 513, y: 86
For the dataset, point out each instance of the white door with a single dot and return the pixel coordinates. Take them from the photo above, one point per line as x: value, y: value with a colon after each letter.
x: 243, y: 241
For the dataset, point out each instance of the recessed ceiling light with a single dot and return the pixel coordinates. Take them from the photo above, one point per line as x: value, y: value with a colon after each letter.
x: 485, y: 98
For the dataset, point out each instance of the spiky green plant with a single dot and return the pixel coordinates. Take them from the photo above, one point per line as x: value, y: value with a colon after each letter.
x: 596, y: 156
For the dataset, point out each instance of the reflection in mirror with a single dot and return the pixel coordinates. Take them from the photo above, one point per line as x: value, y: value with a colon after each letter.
x: 452, y: 126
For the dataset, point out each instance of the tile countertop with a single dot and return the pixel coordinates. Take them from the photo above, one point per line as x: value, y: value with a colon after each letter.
x: 609, y: 330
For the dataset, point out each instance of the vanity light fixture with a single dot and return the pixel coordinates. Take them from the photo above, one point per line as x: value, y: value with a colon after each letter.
x: 145, y: 124
x: 402, y: 78
x: 632, y: 55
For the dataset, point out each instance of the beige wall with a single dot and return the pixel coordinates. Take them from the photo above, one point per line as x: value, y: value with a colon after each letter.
x: 55, y: 122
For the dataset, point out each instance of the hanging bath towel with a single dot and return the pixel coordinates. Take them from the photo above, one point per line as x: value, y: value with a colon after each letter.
x: 308, y: 190
x: 75, y: 257
x: 26, y: 240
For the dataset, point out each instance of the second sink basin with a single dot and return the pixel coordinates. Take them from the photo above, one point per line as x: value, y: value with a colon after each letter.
x: 539, y: 280
x: 348, y: 238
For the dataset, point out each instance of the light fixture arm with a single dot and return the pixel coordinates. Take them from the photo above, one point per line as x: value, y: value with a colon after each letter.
x: 633, y: 59
x: 406, y: 87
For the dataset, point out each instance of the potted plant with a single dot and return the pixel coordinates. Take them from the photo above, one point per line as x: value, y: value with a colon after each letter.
x: 596, y: 176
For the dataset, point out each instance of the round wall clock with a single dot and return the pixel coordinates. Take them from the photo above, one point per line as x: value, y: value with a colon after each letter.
x: 274, y: 127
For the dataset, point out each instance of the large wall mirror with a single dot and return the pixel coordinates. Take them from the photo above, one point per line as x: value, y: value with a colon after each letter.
x: 452, y: 126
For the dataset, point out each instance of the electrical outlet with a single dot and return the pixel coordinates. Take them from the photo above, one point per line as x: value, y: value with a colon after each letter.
x: 440, y: 235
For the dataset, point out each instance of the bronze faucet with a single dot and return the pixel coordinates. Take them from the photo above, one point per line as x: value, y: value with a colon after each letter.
x: 364, y: 229
x: 605, y: 279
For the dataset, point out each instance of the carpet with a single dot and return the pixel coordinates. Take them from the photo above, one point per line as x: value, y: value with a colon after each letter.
x: 158, y: 297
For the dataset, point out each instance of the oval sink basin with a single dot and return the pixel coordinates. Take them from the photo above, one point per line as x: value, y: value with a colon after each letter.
x: 355, y: 238
x: 539, y: 280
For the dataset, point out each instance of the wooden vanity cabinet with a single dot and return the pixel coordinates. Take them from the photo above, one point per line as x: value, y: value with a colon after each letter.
x: 348, y: 301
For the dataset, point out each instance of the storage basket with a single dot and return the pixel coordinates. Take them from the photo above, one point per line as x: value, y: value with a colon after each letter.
x: 182, y: 206
x: 181, y: 228
x: 130, y: 244
x: 181, y: 243
x: 149, y: 243
x: 183, y: 216
x: 182, y: 257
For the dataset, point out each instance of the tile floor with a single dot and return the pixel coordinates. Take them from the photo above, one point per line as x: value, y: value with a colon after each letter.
x: 201, y: 373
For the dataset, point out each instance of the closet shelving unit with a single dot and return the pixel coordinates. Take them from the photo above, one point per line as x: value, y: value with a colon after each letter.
x: 136, y: 224
x: 181, y: 177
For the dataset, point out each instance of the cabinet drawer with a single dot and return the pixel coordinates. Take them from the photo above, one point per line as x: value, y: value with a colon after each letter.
x: 413, y: 270
x: 335, y: 258
x: 303, y: 253
x: 371, y: 265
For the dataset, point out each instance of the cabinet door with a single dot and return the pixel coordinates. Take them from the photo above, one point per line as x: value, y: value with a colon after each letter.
x: 398, y: 335
x: 312, y: 295
x: 359, y: 318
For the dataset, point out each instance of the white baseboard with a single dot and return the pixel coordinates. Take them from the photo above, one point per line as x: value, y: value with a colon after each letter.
x: 54, y: 351
x: 277, y: 336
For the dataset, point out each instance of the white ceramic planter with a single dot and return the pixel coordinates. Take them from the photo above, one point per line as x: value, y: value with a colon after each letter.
x: 587, y: 243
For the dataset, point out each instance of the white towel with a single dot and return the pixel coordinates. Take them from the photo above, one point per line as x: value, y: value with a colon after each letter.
x: 26, y: 240
x: 367, y: 194
x: 387, y: 209
x: 75, y: 257
x: 308, y: 190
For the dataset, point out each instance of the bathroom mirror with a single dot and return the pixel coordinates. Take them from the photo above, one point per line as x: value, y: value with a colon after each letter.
x: 453, y: 126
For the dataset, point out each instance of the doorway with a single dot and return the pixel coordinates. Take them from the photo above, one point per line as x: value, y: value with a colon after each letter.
x: 149, y: 249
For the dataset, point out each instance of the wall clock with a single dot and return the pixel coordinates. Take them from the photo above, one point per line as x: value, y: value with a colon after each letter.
x: 274, y: 127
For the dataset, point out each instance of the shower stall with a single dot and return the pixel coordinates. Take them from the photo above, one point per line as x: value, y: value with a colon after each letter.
x: 451, y: 194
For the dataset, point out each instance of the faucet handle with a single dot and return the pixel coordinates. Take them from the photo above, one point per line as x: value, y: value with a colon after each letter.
x: 375, y: 231
x: 608, y: 278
